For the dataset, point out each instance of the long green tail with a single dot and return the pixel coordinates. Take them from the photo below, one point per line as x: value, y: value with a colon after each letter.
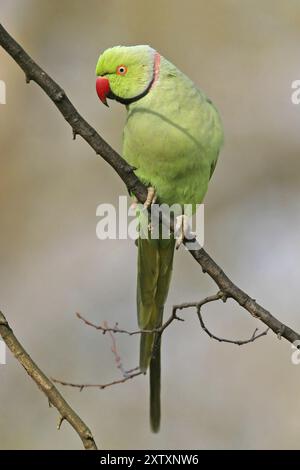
x: 155, y: 261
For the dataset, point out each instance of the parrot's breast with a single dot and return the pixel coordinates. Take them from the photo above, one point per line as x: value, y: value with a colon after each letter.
x: 173, y: 137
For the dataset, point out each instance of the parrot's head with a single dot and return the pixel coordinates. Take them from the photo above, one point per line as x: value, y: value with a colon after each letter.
x: 126, y: 74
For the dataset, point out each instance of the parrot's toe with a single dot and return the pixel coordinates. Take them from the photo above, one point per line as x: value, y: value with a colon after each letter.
x: 183, y: 230
x: 151, y: 197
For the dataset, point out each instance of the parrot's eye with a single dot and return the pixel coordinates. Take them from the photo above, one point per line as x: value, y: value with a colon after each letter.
x: 121, y: 70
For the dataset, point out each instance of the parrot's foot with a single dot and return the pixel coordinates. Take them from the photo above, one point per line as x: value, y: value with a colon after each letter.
x: 183, y: 230
x: 151, y: 197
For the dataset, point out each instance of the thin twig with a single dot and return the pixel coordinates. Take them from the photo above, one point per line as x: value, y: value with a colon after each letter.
x: 47, y: 387
x: 219, y: 296
x: 130, y: 374
x: 115, y: 329
x: 198, y: 305
x: 212, y: 298
x: 238, y: 342
x: 115, y: 352
x: 100, y: 386
x: 106, y: 329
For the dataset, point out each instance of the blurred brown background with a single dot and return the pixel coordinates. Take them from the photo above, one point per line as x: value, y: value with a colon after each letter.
x: 244, y: 54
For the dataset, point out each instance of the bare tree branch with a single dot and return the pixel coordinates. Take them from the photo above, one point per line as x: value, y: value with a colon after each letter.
x: 47, y: 387
x: 100, y: 386
x: 128, y: 375
x: 212, y: 298
x: 115, y: 329
x: 238, y: 342
x: 198, y: 305
x: 126, y: 172
x: 105, y: 328
x: 115, y: 352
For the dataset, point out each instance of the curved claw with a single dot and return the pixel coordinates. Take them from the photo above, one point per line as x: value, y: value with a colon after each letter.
x: 182, y: 230
x: 151, y: 197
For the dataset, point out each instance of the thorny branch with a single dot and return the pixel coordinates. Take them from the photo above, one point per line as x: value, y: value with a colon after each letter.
x: 128, y: 375
x: 212, y: 298
x: 198, y: 305
x: 47, y: 387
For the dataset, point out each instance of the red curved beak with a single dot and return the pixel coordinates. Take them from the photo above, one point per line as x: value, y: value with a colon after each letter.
x: 102, y: 88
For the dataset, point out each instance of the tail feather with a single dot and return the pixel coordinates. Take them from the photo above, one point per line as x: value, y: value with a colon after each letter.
x: 155, y: 260
x: 146, y: 346
x: 155, y: 379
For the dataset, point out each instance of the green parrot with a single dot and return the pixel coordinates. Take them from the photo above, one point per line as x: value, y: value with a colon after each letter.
x: 172, y: 136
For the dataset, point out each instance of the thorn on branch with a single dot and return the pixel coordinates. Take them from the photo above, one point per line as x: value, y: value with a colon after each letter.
x: 280, y: 332
x: 3, y: 320
x: 176, y: 317
x: 60, y: 421
x: 59, y: 96
x: 130, y: 169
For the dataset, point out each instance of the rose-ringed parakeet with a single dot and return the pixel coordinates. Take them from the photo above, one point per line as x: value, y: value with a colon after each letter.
x: 172, y: 136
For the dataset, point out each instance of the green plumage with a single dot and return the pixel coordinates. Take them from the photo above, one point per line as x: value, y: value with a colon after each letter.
x: 155, y: 262
x: 172, y: 136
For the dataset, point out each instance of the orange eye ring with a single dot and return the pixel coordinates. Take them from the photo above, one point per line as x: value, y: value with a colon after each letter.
x: 121, y: 70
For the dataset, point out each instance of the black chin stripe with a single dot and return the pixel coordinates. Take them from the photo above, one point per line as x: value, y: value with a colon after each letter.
x: 128, y: 101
